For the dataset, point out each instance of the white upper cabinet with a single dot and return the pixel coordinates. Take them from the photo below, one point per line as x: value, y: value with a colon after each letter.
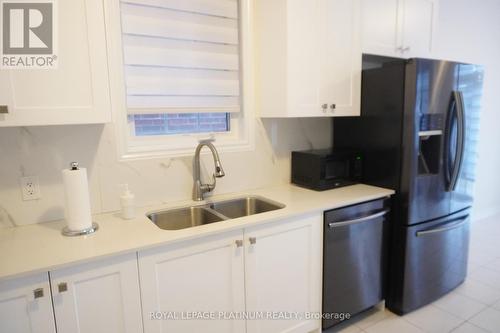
x: 340, y: 56
x: 418, y: 29
x: 77, y: 92
x: 26, y: 305
x: 308, y: 58
x: 381, y: 22
x: 399, y: 28
x: 98, y: 297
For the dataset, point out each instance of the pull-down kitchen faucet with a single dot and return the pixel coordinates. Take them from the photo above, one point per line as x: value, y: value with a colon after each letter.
x: 199, y: 189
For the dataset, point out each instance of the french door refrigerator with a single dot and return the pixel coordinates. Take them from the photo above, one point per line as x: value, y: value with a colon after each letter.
x: 418, y: 132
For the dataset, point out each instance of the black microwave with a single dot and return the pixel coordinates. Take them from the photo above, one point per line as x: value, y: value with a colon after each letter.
x: 326, y: 169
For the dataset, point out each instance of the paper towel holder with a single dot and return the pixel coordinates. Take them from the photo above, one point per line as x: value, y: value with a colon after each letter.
x: 71, y: 233
x: 74, y: 166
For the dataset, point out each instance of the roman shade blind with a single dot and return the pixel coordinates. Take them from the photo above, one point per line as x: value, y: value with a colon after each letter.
x: 181, y: 56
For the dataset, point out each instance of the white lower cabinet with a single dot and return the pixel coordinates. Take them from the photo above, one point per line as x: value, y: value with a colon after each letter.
x: 98, y: 297
x: 269, y: 271
x: 26, y: 306
x: 283, y: 274
x: 200, y: 276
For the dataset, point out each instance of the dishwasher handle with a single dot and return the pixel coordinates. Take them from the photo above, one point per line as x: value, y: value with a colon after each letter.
x: 359, y: 220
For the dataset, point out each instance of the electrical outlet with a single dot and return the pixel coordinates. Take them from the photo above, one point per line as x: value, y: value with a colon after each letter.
x: 30, y: 188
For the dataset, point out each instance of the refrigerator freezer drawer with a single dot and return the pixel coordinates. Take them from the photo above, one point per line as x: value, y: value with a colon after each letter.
x: 430, y: 260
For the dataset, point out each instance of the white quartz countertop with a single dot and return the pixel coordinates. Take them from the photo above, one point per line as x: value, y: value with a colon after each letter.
x: 41, y: 247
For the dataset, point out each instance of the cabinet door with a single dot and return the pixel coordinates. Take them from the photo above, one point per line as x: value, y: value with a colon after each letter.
x: 303, y: 53
x: 418, y: 27
x: 77, y: 91
x: 283, y: 273
x: 98, y: 297
x: 340, y: 56
x: 382, y: 22
x: 26, y: 306
x: 202, y: 276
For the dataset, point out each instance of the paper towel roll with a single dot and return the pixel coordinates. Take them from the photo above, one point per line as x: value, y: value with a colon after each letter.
x: 76, y: 187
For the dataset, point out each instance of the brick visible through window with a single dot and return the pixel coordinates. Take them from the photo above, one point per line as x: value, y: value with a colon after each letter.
x: 180, y: 123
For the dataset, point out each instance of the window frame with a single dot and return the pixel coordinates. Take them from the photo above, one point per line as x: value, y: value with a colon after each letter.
x: 240, y: 137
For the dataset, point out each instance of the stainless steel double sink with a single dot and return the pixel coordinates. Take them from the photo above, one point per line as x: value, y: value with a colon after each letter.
x: 192, y: 216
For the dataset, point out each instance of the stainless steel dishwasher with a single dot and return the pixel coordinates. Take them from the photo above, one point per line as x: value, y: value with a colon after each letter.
x: 354, y: 259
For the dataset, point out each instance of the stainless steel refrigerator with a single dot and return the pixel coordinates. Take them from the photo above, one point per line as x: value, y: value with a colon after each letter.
x: 418, y: 132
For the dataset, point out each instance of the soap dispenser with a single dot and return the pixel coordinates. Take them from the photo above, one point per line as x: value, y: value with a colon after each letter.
x: 127, y: 202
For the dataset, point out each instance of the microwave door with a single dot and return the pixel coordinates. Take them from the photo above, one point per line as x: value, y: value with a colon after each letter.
x: 336, y: 170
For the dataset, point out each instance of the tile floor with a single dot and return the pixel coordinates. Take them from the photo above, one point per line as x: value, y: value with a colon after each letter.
x: 472, y: 307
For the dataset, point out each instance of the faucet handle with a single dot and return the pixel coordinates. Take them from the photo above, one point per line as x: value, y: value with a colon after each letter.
x: 208, y: 187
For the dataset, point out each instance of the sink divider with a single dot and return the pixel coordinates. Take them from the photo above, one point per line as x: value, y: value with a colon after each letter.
x: 213, y: 211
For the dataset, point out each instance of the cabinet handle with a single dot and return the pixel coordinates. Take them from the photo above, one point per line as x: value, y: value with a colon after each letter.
x: 62, y: 287
x: 403, y: 49
x: 38, y: 293
x: 4, y: 109
x: 239, y: 243
x: 324, y: 107
x: 333, y: 107
x: 252, y: 240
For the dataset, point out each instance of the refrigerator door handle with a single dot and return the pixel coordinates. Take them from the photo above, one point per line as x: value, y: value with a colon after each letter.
x: 463, y: 220
x: 356, y: 221
x: 457, y: 167
x: 448, y: 163
x: 453, y: 168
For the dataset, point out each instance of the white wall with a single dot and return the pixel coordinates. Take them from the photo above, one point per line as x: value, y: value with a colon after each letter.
x: 45, y: 151
x: 469, y: 31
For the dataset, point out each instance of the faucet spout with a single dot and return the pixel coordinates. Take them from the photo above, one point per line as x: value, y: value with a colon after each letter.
x: 200, y: 189
x: 219, y: 172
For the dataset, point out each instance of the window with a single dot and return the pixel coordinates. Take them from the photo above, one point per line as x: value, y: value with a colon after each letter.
x: 182, y: 73
x: 179, y: 123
